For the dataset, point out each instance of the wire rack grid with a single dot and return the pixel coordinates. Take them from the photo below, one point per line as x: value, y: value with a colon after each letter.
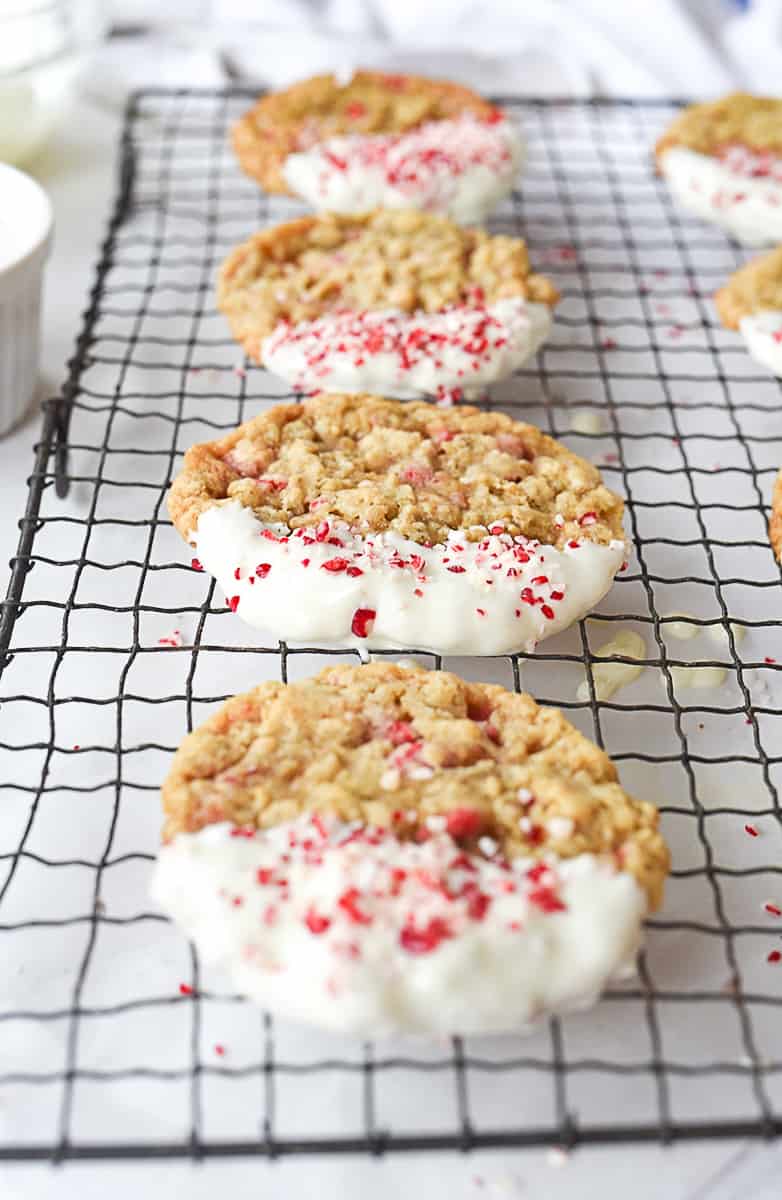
x: 113, y: 1039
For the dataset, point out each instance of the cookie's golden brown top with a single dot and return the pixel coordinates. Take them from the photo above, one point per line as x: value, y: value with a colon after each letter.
x: 757, y: 285
x: 380, y: 464
x: 386, y: 259
x: 740, y: 118
x: 393, y: 746
x: 371, y: 102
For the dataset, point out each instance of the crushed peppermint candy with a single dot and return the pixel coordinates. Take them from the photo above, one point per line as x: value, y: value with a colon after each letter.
x: 429, y: 890
x: 516, y: 557
x: 445, y: 353
x: 174, y: 640
x: 327, y: 580
x: 752, y: 164
x: 439, y: 166
x: 350, y: 926
x: 473, y: 333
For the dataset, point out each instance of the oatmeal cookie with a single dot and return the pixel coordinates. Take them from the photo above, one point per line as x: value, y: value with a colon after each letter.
x: 312, y: 114
x: 362, y: 521
x: 404, y: 303
x: 429, y: 854
x: 751, y: 301
x: 723, y: 161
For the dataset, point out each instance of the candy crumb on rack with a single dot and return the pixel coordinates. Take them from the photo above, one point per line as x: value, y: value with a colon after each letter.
x: 174, y: 640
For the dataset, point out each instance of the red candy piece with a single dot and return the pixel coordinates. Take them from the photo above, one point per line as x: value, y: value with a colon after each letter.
x: 348, y: 902
x: 546, y: 899
x: 315, y: 922
x: 425, y: 939
x: 463, y: 822
x: 363, y: 622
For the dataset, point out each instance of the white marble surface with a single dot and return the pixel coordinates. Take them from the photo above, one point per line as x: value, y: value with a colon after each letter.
x: 79, y: 175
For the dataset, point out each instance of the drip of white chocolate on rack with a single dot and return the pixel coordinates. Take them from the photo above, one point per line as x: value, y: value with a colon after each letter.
x: 609, y: 677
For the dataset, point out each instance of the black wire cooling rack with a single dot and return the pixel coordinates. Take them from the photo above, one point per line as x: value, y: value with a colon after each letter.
x: 113, y: 1040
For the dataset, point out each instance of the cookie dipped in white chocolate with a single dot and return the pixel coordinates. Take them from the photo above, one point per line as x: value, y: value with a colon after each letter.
x: 362, y: 521
x: 739, y: 190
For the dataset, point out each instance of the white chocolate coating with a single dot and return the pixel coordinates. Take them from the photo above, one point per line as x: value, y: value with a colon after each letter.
x: 610, y: 677
x: 725, y: 191
x: 350, y: 929
x: 762, y: 332
x: 460, y: 350
x: 461, y: 168
x: 495, y: 596
x: 696, y: 677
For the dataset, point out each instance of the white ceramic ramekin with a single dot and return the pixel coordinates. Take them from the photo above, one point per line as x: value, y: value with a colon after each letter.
x: 25, y: 238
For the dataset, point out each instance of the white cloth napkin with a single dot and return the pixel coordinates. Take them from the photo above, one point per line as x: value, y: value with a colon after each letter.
x: 574, y: 47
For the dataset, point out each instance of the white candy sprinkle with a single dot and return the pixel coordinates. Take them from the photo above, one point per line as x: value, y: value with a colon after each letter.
x: 524, y: 796
x: 560, y: 827
x: 389, y: 780
x: 343, y: 73
x: 487, y: 846
x: 419, y: 771
x: 436, y: 824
